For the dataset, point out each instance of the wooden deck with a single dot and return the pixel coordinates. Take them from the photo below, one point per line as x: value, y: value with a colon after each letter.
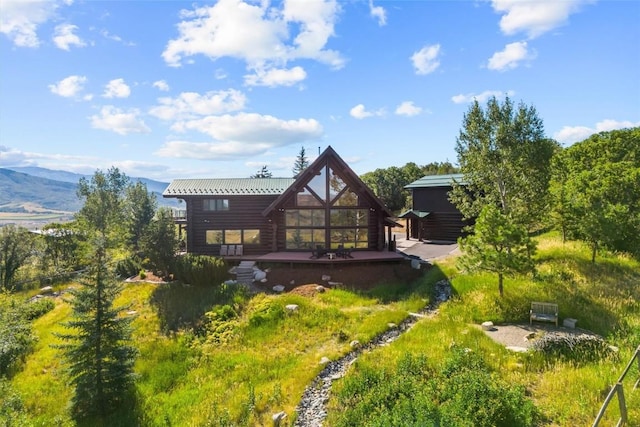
x: 306, y: 258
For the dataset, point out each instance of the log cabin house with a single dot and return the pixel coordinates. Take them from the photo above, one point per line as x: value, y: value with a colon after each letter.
x: 326, y: 207
x: 432, y: 216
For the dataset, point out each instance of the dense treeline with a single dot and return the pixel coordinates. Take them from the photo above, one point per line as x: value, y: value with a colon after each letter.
x: 388, y: 183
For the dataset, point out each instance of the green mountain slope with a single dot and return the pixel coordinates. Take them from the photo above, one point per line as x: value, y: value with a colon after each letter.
x: 19, y: 189
x: 28, y: 187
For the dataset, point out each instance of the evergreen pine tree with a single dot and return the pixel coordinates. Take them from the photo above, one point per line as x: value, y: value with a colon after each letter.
x: 301, y: 163
x: 98, y: 350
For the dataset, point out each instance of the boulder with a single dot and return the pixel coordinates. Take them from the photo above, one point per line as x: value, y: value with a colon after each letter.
x: 291, y: 307
x: 487, y: 326
x: 259, y: 275
x: 278, y: 418
x: 278, y: 288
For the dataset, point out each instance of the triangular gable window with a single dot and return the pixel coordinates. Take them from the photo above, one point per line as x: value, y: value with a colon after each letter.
x: 347, y: 198
x: 336, y: 184
x: 307, y: 198
x: 319, y: 184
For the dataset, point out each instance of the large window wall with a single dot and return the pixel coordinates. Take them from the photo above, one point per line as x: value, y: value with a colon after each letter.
x: 327, y: 214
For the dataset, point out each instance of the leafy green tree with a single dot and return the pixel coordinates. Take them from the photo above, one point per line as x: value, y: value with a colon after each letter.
x: 98, y: 351
x: 140, y: 207
x: 16, y: 246
x: 506, y: 161
x: 264, y: 172
x: 596, y: 191
x: 301, y: 163
x: 498, y: 245
x: 102, y: 212
x: 160, y: 241
x: 438, y: 168
x: 388, y: 184
x: 63, y: 245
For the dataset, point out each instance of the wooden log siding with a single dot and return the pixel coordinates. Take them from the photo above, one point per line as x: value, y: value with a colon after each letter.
x: 245, y: 213
x: 444, y: 221
x: 447, y: 226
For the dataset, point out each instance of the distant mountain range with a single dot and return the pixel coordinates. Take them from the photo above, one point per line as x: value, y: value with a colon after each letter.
x: 24, y: 189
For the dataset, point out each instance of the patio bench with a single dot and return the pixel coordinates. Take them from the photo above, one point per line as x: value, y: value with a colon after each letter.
x: 543, y: 312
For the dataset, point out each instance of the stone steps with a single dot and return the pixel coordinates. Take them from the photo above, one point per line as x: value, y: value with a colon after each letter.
x: 244, y: 272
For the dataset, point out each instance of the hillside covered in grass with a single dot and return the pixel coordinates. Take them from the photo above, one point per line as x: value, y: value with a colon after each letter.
x: 220, y: 356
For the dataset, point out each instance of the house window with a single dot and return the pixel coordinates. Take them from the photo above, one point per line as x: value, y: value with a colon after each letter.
x: 328, y: 214
x: 304, y: 238
x: 215, y: 204
x: 233, y: 237
x: 214, y: 237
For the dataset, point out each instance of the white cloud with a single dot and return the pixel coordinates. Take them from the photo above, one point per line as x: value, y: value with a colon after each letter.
x: 190, y: 104
x: 480, y: 97
x: 360, y: 112
x: 571, y: 134
x: 161, y: 85
x: 408, y: 108
x: 64, y: 37
x: 13, y: 157
x: 230, y: 150
x: 251, y: 128
x: 119, y: 121
x: 220, y: 30
x: 20, y: 19
x: 116, y: 88
x: 379, y: 13
x: 69, y: 87
x: 534, y: 17
x: 276, y: 77
x: 107, y: 35
x: 511, y: 57
x: 239, y: 136
x: 426, y: 61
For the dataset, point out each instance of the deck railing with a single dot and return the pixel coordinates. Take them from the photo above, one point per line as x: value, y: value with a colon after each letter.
x: 179, y: 214
x: 618, y: 390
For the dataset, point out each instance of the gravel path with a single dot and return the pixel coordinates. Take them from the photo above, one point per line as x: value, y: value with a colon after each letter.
x: 312, y: 408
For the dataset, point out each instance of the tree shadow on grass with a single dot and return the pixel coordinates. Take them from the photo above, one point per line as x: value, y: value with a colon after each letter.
x: 183, y: 306
x: 420, y: 283
x: 128, y: 413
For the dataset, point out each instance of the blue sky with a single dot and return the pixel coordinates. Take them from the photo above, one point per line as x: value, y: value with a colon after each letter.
x: 182, y: 89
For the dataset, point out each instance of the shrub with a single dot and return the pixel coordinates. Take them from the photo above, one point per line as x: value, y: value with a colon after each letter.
x: 16, y: 337
x: 12, y: 412
x: 576, y: 348
x: 201, y: 270
x: 473, y: 396
x: 464, y: 393
x: 38, y: 308
x: 128, y: 267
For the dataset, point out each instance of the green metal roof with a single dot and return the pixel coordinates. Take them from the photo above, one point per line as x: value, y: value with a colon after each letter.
x: 227, y: 187
x: 436, y: 181
x: 412, y: 213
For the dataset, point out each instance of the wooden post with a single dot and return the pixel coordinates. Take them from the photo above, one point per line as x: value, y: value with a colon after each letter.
x: 623, y: 405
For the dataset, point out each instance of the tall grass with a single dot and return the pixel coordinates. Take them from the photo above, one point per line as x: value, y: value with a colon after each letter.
x: 604, y: 297
x: 219, y: 357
